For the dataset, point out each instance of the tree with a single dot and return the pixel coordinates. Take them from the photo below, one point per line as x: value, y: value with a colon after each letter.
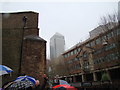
x: 105, y: 77
x: 110, y: 22
x: 58, y: 67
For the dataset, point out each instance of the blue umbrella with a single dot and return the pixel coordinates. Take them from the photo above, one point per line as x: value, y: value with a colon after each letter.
x: 22, y: 82
x: 5, y: 70
x: 24, y: 78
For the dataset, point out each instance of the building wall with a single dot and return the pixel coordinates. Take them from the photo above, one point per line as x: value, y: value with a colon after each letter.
x: 34, y: 57
x: 15, y: 20
x: 96, y: 31
x: 119, y: 11
x: 0, y: 36
x: 57, y: 45
x: 11, y: 45
x: 94, y: 56
x: 13, y: 31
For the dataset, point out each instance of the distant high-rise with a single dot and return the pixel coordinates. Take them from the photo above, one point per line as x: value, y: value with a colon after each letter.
x: 119, y: 11
x: 57, y: 45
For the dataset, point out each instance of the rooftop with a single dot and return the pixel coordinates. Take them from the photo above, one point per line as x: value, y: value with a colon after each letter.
x: 19, y: 12
x: 34, y: 37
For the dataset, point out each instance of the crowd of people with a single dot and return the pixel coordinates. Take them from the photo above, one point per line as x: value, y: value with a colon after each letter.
x: 36, y: 86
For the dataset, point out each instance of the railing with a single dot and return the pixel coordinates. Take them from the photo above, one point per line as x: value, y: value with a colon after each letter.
x: 94, y: 84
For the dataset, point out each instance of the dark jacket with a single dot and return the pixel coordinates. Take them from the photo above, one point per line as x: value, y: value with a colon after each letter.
x: 42, y: 87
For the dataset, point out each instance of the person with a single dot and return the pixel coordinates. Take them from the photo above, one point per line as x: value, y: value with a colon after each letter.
x: 56, y: 80
x: 37, y: 85
x: 43, y: 86
x: 6, y: 85
x: 29, y: 88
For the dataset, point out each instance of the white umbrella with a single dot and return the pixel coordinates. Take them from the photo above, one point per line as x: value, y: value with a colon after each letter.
x: 63, y: 82
x: 5, y: 70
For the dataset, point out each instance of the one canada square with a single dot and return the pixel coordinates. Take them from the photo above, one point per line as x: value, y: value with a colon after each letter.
x: 57, y: 45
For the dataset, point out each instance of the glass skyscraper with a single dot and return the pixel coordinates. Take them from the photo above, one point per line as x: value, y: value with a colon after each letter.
x: 57, y: 45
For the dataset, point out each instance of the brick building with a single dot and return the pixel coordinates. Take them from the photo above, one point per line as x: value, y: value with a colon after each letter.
x: 34, y: 60
x: 89, y: 60
x: 22, y: 48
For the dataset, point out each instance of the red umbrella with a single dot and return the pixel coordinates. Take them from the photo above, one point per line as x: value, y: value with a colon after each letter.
x: 63, y: 87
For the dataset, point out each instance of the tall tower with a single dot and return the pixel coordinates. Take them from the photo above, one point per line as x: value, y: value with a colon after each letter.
x: 57, y: 45
x: 119, y: 12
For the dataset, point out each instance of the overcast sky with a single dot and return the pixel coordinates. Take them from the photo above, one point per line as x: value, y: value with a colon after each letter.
x: 74, y: 20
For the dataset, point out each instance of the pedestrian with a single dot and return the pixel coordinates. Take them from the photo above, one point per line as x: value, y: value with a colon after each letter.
x: 6, y: 85
x: 43, y: 86
x: 56, y: 80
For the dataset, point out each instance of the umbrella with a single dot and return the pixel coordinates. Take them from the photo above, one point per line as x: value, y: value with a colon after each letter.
x: 5, y: 70
x: 63, y: 87
x: 1, y: 89
x: 22, y: 82
x: 63, y: 82
x: 24, y: 78
x: 21, y: 85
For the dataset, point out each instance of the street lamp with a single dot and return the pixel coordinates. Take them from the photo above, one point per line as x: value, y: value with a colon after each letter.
x: 104, y: 43
x: 22, y: 38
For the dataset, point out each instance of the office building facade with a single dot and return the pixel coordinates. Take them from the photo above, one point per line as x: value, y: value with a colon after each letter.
x: 57, y: 45
x: 119, y: 12
x: 88, y: 61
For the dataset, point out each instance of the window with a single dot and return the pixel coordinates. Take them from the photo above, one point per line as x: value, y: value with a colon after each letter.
x: 87, y: 45
x: 106, y: 48
x: 76, y: 59
x: 95, y: 61
x: 111, y: 46
x: 85, y: 63
x: 109, y: 35
x: 97, y: 51
x: 92, y: 43
x: 116, y: 56
x: 98, y: 40
x: 103, y: 59
x: 115, y: 33
x: 68, y: 54
x: 65, y: 56
x: 118, y: 31
x: 85, y: 55
x: 75, y: 51
x: 72, y: 53
x: 107, y: 58
x: 112, y: 56
x: 70, y: 61
x: 104, y: 38
x: 78, y: 66
x: 112, y: 34
x: 79, y: 49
